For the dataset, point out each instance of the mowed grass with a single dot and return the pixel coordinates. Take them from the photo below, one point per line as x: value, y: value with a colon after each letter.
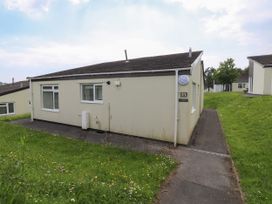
x: 247, y: 124
x: 37, y: 167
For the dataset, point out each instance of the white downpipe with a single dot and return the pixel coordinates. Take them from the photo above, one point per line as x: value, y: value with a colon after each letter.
x: 31, y: 100
x: 176, y: 109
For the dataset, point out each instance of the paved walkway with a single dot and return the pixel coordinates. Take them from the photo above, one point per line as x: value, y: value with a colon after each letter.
x: 208, y: 134
x: 205, y: 172
x: 205, y: 175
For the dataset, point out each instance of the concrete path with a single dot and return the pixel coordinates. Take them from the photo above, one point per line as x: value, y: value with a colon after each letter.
x: 205, y: 172
x: 208, y: 134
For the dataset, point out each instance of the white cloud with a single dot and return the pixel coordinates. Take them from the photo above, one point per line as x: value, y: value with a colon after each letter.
x: 32, y: 8
x: 53, y: 55
x: 227, y: 19
x: 96, y: 42
x: 215, y: 6
x: 76, y: 2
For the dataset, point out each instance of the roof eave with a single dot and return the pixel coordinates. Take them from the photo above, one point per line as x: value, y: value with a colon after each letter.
x: 13, y: 91
x: 107, y: 73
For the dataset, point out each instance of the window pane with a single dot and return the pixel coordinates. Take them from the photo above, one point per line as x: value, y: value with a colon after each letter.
x: 11, y: 107
x: 48, y: 100
x: 3, y: 110
x: 47, y: 87
x: 56, y: 95
x: 87, y: 92
x: 56, y: 87
x: 98, y: 92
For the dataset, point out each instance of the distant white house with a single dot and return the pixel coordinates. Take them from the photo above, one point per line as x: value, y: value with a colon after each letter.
x: 260, y: 74
x: 241, y: 83
x: 14, y: 98
x: 218, y: 88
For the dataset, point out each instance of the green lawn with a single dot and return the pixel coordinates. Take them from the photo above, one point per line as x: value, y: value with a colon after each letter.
x: 36, y: 167
x: 247, y: 124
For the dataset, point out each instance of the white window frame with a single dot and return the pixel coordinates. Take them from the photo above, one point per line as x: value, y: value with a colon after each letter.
x: 53, y: 90
x: 94, y: 94
x: 194, y: 94
x: 6, y: 104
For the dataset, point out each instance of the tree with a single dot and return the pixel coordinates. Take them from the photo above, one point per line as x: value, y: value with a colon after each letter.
x: 227, y: 73
x: 209, y: 77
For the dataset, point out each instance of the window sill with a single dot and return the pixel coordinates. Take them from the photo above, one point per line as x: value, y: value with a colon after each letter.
x: 92, y: 102
x: 8, y: 114
x: 50, y: 110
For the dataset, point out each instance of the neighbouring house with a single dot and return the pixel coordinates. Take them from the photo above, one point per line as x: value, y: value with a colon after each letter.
x: 14, y: 98
x: 241, y: 83
x: 157, y: 97
x: 260, y: 74
x: 218, y: 88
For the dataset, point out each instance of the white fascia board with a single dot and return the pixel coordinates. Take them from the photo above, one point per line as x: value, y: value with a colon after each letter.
x: 110, y: 73
x: 196, y: 61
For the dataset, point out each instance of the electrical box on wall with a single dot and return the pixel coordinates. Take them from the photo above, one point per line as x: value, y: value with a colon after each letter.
x: 85, y: 120
x: 117, y: 83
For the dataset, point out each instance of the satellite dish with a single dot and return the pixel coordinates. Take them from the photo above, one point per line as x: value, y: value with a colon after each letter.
x: 183, y: 80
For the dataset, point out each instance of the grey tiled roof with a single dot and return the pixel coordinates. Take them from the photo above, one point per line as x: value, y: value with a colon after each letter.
x: 172, y: 61
x: 265, y: 60
x: 243, y: 78
x: 10, y: 88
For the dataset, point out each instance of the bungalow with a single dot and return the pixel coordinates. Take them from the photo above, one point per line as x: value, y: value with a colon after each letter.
x: 14, y: 98
x: 157, y: 97
x: 260, y: 74
x: 241, y: 83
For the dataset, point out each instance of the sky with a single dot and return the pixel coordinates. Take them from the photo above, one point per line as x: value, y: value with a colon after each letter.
x: 43, y: 36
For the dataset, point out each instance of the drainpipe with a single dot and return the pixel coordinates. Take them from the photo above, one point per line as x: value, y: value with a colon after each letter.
x: 31, y: 100
x: 176, y: 109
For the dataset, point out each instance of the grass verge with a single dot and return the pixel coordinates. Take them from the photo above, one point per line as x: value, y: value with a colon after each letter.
x: 37, y: 167
x: 247, y: 124
x: 14, y: 117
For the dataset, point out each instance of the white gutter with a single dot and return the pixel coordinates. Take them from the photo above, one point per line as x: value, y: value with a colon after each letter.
x: 176, y: 108
x: 111, y: 73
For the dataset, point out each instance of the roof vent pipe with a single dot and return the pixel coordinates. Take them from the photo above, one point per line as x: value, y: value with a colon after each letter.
x: 12, y: 80
x: 126, y: 55
x: 190, y: 52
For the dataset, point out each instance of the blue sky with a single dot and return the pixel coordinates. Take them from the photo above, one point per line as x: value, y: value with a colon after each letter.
x: 42, y: 36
